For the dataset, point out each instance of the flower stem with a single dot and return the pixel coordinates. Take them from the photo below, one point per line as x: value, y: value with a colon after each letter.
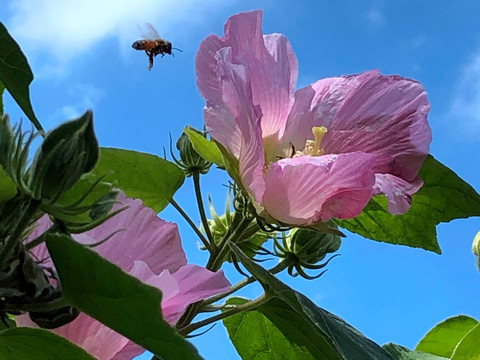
x: 38, y: 307
x: 242, y: 283
x: 201, y: 209
x: 191, y: 223
x: 235, y: 310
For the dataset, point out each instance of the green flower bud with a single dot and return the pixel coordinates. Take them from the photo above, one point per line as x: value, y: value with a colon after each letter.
x: 68, y: 152
x: 190, y: 161
x: 6, y: 140
x: 311, y: 246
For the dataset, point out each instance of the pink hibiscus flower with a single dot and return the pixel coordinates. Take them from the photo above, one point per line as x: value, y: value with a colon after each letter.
x: 319, y: 152
x: 148, y: 248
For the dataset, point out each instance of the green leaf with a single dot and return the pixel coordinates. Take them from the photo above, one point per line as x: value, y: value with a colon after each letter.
x: 148, y: 177
x: 444, y: 338
x: 402, y: 353
x: 310, y: 327
x: 89, y: 202
x: 256, y: 337
x: 204, y: 147
x: 7, y: 186
x: 38, y: 344
x: 16, y: 75
x: 118, y: 300
x: 2, y: 89
x: 468, y: 348
x: 443, y: 197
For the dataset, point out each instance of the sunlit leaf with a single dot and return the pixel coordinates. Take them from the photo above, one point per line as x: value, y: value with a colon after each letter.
x: 256, y: 337
x: 306, y: 325
x: 468, y: 348
x: 7, y: 186
x: 148, y: 177
x: 445, y: 337
x: 16, y: 75
x: 402, y: 353
x: 204, y: 147
x: 38, y: 344
x: 443, y: 197
x: 118, y: 300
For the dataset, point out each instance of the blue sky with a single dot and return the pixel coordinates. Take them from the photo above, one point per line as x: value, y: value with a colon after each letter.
x: 81, y: 55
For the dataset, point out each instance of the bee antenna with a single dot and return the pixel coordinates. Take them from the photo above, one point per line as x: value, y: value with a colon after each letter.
x: 177, y: 49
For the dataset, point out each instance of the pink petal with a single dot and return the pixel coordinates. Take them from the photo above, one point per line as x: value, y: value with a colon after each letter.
x: 305, y: 190
x: 252, y: 159
x: 148, y: 248
x: 196, y: 283
x: 397, y: 191
x: 264, y: 86
x: 384, y: 115
x: 94, y: 337
x: 142, y: 236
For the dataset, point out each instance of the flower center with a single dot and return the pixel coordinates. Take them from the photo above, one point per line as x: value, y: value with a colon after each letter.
x: 312, y: 147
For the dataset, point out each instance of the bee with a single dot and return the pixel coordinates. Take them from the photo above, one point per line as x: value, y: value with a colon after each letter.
x: 153, y: 44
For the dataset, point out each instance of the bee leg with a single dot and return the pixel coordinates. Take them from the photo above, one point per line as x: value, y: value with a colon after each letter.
x: 150, y: 61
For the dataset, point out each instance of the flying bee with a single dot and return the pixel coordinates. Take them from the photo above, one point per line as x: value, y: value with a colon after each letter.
x: 153, y: 44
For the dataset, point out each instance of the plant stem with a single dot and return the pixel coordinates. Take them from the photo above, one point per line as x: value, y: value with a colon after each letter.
x: 191, y: 223
x: 242, y: 283
x: 240, y: 308
x: 38, y: 307
x: 201, y: 209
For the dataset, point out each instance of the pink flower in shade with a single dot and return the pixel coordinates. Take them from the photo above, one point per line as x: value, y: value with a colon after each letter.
x: 319, y: 152
x: 148, y: 248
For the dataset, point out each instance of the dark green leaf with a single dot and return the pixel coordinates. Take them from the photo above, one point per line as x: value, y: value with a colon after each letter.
x: 10, y: 322
x: 443, y: 197
x: 118, y: 300
x: 204, y: 147
x: 402, y: 353
x: 7, y: 186
x: 256, y: 337
x: 148, y: 177
x: 445, y: 336
x: 2, y: 89
x: 38, y: 344
x: 325, y: 335
x: 16, y: 75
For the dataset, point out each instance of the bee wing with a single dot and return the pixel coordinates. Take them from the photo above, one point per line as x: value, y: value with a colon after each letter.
x: 147, y: 31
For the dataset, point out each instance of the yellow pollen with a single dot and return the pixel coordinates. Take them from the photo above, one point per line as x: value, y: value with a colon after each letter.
x: 318, y: 132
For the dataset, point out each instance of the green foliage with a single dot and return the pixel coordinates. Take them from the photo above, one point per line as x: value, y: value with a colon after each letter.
x: 402, y: 353
x: 455, y: 338
x: 27, y: 343
x: 68, y: 152
x: 204, y: 147
x: 118, y: 300
x: 2, y: 89
x: 443, y: 197
x: 7, y: 186
x: 256, y: 337
x: 322, y: 334
x: 148, y: 177
x: 87, y: 194
x: 16, y: 75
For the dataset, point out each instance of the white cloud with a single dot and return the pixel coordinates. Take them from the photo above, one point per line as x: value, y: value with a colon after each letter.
x: 86, y: 97
x: 376, y: 17
x: 68, y: 28
x: 465, y: 106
